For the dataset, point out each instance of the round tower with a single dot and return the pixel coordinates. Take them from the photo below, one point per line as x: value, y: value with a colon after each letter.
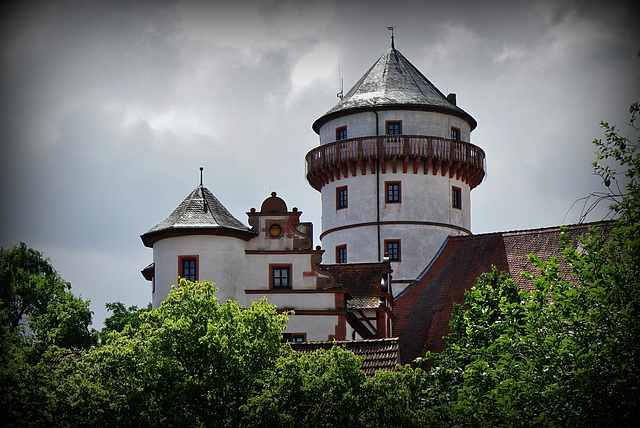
x: 395, y: 168
x: 200, y: 240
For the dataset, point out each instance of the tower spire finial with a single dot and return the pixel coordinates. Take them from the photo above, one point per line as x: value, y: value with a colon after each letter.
x: 393, y: 46
x: 201, y: 168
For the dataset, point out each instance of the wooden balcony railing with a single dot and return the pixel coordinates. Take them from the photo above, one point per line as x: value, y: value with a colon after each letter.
x: 436, y: 150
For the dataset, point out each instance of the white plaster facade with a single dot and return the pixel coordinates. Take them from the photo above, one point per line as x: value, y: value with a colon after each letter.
x: 240, y: 263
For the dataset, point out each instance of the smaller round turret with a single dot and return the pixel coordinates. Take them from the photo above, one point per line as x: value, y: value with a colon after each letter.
x: 193, y: 242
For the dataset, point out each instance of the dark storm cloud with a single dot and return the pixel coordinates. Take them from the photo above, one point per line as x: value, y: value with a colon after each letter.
x: 109, y: 108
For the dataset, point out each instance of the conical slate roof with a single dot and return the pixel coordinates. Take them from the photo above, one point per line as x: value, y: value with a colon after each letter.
x: 200, y: 212
x: 393, y: 82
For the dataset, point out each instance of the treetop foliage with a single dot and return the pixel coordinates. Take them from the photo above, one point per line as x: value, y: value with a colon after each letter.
x: 567, y: 353
x: 37, y: 304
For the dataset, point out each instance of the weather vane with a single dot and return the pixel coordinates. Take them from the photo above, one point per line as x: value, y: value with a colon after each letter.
x: 392, y: 37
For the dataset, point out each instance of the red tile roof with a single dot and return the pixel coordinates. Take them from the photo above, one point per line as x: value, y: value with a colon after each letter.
x: 424, y: 309
x: 379, y: 354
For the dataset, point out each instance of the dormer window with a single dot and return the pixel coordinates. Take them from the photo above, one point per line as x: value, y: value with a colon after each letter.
x: 394, y: 127
x: 341, y: 133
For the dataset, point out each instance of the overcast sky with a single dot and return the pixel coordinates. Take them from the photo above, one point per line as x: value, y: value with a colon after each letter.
x: 110, y: 107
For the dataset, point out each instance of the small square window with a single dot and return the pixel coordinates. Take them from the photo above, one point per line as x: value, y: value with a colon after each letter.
x: 455, y: 133
x: 392, y: 194
x: 392, y: 248
x: 341, y: 254
x: 294, y: 337
x: 281, y: 277
x: 394, y: 127
x: 188, y: 266
x: 341, y: 133
x: 341, y: 197
x: 456, y: 197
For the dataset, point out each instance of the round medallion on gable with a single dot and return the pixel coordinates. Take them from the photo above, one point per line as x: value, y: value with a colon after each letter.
x: 275, y: 230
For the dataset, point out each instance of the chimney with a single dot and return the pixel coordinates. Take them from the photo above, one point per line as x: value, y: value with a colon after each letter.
x: 452, y: 99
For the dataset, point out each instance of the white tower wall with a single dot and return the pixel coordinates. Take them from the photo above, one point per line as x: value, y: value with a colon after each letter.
x: 363, y: 124
x: 221, y: 260
x: 421, y: 221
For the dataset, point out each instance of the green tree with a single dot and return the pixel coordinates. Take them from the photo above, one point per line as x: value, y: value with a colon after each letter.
x: 193, y: 362
x: 39, y: 315
x: 309, y: 390
x: 567, y: 353
x: 38, y: 304
x: 394, y: 399
x: 121, y: 318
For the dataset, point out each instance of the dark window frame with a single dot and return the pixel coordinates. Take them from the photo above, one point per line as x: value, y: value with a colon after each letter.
x: 339, y: 131
x: 192, y: 258
x: 276, y: 276
x: 455, y: 133
x: 456, y: 197
x: 342, y: 202
x: 341, y: 253
x: 396, y: 255
x: 396, y: 195
x: 393, y: 125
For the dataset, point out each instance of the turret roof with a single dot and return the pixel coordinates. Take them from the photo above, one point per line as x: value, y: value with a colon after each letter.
x: 201, y: 212
x: 393, y: 82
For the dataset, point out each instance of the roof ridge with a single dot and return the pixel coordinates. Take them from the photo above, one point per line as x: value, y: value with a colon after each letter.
x: 533, y: 230
x: 340, y: 342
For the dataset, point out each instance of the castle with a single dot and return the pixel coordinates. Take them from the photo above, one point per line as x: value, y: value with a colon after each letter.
x: 395, y: 168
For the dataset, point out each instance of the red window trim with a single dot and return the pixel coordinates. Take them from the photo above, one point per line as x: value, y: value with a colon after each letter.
x: 187, y: 257
x: 386, y: 192
x: 280, y: 265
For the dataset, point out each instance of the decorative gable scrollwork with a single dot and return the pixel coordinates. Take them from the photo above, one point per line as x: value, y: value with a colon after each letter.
x: 326, y: 280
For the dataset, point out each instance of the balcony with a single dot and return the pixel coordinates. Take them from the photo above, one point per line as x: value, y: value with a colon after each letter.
x: 439, y: 155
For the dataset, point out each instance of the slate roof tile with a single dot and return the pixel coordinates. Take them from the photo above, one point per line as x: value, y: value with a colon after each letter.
x: 199, y: 210
x: 393, y: 82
